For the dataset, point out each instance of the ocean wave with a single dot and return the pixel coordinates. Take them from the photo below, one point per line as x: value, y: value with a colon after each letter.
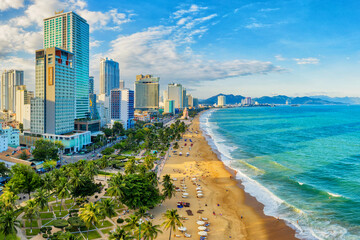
x: 334, y: 194
x: 307, y: 227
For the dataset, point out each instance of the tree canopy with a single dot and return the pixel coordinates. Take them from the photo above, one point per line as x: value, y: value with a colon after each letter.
x: 45, y: 150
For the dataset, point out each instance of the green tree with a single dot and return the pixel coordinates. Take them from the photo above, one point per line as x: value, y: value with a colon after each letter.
x: 45, y: 150
x: 132, y: 223
x: 107, y: 207
x: 24, y: 155
x: 118, y: 129
x: 142, y: 212
x: 8, y: 200
x: 108, y: 132
x: 168, y: 191
x: 172, y: 220
x: 89, y: 214
x: 176, y: 145
x: 116, y: 187
x: 130, y: 166
x: 49, y: 165
x: 8, y: 223
x: 121, y: 234
x: 62, y: 190
x: 41, y: 198
x: 48, y: 183
x: 4, y: 171
x: 31, y: 211
x: 108, y: 151
x: 25, y: 179
x: 21, y: 127
x: 150, y: 231
x: 149, y: 162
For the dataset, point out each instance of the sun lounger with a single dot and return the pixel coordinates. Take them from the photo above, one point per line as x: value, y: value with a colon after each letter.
x: 187, y: 235
x: 189, y: 212
x: 178, y: 236
x: 200, y: 211
x: 204, y: 219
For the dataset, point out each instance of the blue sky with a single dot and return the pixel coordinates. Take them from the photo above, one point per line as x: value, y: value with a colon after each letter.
x: 250, y: 48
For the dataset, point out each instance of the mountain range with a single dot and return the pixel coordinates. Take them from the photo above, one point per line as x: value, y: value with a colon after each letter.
x: 280, y: 99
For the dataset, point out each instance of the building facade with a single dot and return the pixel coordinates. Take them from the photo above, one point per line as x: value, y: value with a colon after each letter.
x: 122, y: 84
x: 10, y: 79
x: 175, y: 92
x: 70, y: 32
x: 91, y: 85
x: 54, y: 105
x: 169, y: 107
x: 146, y: 92
x: 122, y: 106
x: 190, y: 102
x: 221, y: 100
x: 12, y: 135
x: 3, y: 142
x: 22, y: 99
x: 109, y: 76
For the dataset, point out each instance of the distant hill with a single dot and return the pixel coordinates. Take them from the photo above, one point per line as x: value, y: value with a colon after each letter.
x: 280, y: 99
x: 345, y: 100
x: 230, y: 99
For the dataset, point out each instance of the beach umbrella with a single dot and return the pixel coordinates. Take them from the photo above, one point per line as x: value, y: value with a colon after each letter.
x: 182, y: 229
x: 202, y: 228
x: 200, y: 222
x: 202, y: 233
x: 184, y: 187
x: 185, y: 194
x: 200, y: 195
x: 198, y: 188
x: 194, y: 179
x: 199, y: 191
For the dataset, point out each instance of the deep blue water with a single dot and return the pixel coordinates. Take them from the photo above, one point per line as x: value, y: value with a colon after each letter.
x: 302, y: 162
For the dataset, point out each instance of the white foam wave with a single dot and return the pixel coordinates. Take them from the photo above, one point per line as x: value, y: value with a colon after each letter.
x: 334, y: 194
x: 273, y: 205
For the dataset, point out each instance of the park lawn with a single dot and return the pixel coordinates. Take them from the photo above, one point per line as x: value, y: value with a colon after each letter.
x: 34, y: 232
x: 57, y: 208
x: 33, y: 224
x: 106, y: 231
x: 69, y: 201
x: 106, y: 224
x: 43, y: 222
x: 92, y: 235
x: 46, y: 215
x: 52, y: 199
x: 11, y: 237
x: 62, y: 214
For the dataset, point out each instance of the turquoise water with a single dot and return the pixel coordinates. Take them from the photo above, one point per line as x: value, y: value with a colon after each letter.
x: 302, y: 163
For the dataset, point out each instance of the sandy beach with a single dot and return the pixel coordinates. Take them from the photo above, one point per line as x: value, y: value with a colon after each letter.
x: 230, y: 212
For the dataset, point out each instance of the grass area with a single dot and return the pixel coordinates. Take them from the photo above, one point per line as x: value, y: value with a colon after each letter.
x: 106, y: 224
x: 62, y: 214
x: 52, y: 198
x: 92, y: 235
x: 57, y: 208
x: 106, y: 231
x: 34, y: 232
x: 11, y: 237
x: 69, y: 201
x: 46, y: 215
x: 32, y: 224
x: 43, y: 222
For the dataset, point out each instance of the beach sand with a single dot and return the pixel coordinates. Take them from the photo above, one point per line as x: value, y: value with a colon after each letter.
x: 237, y: 214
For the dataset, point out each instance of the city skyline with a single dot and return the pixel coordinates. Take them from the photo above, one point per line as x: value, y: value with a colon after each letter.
x: 295, y: 48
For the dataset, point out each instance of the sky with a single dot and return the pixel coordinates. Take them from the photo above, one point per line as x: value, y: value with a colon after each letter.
x: 242, y: 47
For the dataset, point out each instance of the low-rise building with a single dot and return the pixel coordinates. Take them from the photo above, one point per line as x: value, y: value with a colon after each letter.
x: 12, y: 135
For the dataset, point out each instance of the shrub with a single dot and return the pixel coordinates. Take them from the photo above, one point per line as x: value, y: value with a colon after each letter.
x: 45, y: 236
x: 96, y: 196
x: 120, y: 220
x: 76, y: 222
x: 43, y: 229
x: 60, y: 223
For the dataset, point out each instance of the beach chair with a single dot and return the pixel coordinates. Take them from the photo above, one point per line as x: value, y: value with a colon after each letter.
x: 178, y: 236
x: 187, y: 235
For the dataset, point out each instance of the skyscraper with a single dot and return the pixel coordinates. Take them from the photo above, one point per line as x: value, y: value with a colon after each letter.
x: 221, y: 100
x: 122, y: 84
x: 146, y: 92
x: 52, y: 111
x: 10, y: 79
x: 70, y: 32
x: 122, y: 106
x: 190, y: 101
x: 22, y: 99
x: 175, y: 92
x: 109, y: 76
x: 91, y: 85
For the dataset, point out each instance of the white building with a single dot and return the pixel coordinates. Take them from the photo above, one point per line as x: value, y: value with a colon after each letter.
x: 26, y: 116
x: 175, y: 92
x: 12, y: 135
x: 103, y: 108
x: 169, y: 106
x: 221, y: 100
x: 9, y: 80
x: 122, y: 106
x: 22, y: 98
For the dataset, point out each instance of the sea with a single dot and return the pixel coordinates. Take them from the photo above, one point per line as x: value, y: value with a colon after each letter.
x: 302, y: 163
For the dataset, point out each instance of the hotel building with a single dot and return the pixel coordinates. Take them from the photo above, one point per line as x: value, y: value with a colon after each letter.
x: 10, y: 79
x: 122, y: 106
x: 109, y: 76
x: 146, y: 92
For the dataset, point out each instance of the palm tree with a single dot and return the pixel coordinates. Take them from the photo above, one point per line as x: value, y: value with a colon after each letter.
x: 68, y: 236
x: 142, y: 212
x: 91, y: 170
x: 8, y: 199
x: 116, y: 187
x: 89, y: 214
x: 166, y: 180
x: 150, y: 231
x: 107, y: 207
x: 62, y: 190
x: 75, y: 177
x: 130, y: 166
x: 48, y: 183
x: 149, y: 162
x: 169, y: 191
x: 172, y: 219
x: 132, y: 223
x: 8, y: 223
x: 120, y: 234
x: 41, y: 198
x: 31, y: 210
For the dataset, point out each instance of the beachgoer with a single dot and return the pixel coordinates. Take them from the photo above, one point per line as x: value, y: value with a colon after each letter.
x: 214, y: 213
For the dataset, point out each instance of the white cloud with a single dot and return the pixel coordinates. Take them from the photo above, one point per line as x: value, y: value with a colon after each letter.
x: 256, y: 25
x: 7, y: 4
x: 309, y: 60
x: 269, y: 9
x: 279, y: 57
x: 95, y: 43
x: 193, y: 9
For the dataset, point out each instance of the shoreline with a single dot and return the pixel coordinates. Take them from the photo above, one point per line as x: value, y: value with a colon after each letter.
x: 233, y: 213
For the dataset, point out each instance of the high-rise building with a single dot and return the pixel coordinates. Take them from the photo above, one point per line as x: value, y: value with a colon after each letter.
x: 91, y: 85
x: 221, y: 100
x: 109, y: 76
x: 246, y: 101
x: 103, y: 108
x: 122, y: 84
x: 195, y: 102
x: 122, y: 106
x: 190, y: 102
x: 70, y: 32
x: 169, y: 106
x: 10, y: 79
x: 175, y: 92
x: 184, y: 99
x: 52, y: 111
x: 22, y: 99
x: 146, y: 92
